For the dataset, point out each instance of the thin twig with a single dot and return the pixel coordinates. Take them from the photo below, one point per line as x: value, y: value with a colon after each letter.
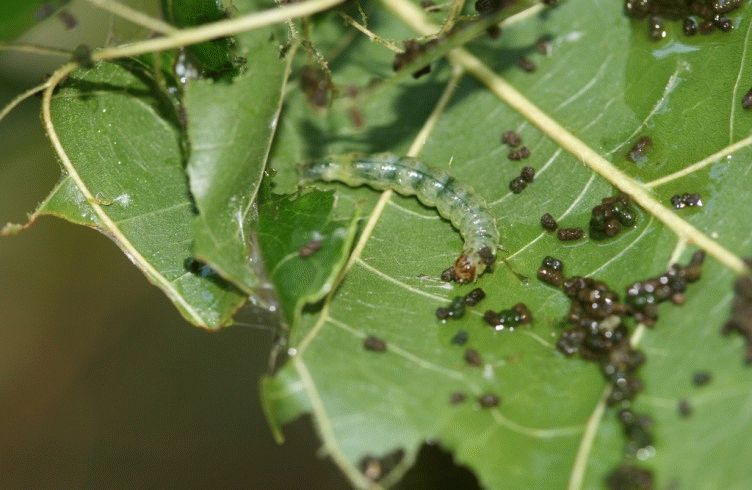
x: 134, y: 16
x: 370, y: 34
x: 35, y: 49
x: 223, y: 28
x: 20, y: 98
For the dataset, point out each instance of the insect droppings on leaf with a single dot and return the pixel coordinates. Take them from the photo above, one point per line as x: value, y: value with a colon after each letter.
x: 551, y: 271
x: 528, y: 174
x: 701, y: 378
x: 640, y: 148
x: 511, y: 138
x: 309, y: 248
x: 684, y: 408
x: 413, y: 50
x: 570, y: 234
x: 457, y: 397
x: 474, y: 297
x: 519, y: 314
x: 741, y: 312
x: 548, y: 222
x: 456, y: 309
x: 680, y: 201
x: 628, y: 477
x: 472, y: 357
x: 747, y: 100
x: 374, y: 344
x: 460, y: 338
x: 488, y: 400
x: 689, y: 26
x: 656, y: 28
x: 526, y: 64
x: 607, y: 219
x: 519, y: 154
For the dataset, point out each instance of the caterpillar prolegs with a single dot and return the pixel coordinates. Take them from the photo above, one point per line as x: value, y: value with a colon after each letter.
x: 433, y: 187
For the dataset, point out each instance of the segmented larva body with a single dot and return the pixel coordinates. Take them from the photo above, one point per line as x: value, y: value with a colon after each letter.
x: 433, y: 187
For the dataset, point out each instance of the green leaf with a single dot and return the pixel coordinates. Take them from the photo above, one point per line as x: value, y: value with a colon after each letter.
x: 606, y: 84
x: 17, y: 16
x: 126, y: 179
x: 230, y: 130
x: 304, y: 245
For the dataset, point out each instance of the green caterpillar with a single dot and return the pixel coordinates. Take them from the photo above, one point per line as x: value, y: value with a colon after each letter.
x: 433, y: 187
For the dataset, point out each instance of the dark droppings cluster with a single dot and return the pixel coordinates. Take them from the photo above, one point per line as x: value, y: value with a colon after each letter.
x: 639, y: 150
x: 413, y: 50
x: 526, y: 64
x: 741, y: 312
x: 548, y: 222
x: 613, y: 213
x: 519, y: 314
x: 511, y: 138
x: 570, y: 234
x: 704, y: 16
x: 518, y: 154
x: 472, y: 357
x: 628, y: 477
x: 680, y: 201
x: 598, y: 332
x: 701, y: 378
x: 317, y: 86
x: 488, y: 400
x: 519, y: 183
x: 456, y: 308
x: 643, y: 296
x: 374, y: 344
x: 747, y: 100
x: 551, y: 271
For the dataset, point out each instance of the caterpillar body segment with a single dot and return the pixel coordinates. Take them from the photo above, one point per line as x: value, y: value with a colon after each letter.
x: 433, y: 187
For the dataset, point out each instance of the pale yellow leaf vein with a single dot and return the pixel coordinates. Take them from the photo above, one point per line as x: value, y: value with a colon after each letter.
x: 399, y: 283
x: 690, y: 169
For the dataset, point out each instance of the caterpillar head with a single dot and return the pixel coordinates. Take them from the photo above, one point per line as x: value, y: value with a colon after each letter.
x: 472, y: 264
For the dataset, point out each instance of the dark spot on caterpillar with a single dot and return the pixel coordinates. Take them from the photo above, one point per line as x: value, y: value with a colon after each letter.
x: 628, y: 477
x: 457, y: 397
x: 570, y: 234
x: 747, y: 100
x: 656, y: 29
x: 488, y: 400
x: 544, y: 44
x: 684, y: 408
x: 69, y: 20
x: 460, y: 338
x: 375, y: 468
x: 642, y: 297
x: 487, y: 256
x: 551, y: 271
x: 464, y: 269
x: 519, y: 154
x: 526, y: 64
x: 413, y: 50
x: 474, y: 297
x: 701, y: 378
x: 741, y: 312
x: 517, y: 185
x: 309, y: 248
x: 511, y: 138
x: 679, y: 201
x: 607, y: 219
x: 493, y: 32
x: 548, y: 222
x: 528, y: 174
x: 519, y: 314
x: 689, y: 26
x: 316, y: 85
x: 456, y: 309
x: 374, y: 344
x: 82, y: 56
x: 637, y: 153
x: 473, y: 358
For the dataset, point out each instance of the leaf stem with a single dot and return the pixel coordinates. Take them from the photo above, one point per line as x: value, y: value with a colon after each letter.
x: 21, y: 97
x: 34, y: 48
x: 134, y: 16
x: 223, y: 28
